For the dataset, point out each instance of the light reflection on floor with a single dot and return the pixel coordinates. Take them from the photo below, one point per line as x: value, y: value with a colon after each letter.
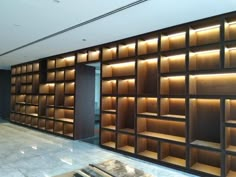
x: 28, y: 153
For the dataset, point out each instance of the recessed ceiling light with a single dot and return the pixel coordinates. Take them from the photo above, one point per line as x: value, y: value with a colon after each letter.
x: 84, y: 40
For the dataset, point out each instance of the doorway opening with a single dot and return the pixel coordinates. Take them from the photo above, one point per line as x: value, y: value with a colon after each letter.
x: 94, y: 139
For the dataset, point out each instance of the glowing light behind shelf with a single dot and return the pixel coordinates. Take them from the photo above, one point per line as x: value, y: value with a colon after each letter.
x: 175, y: 99
x: 231, y: 23
x: 50, y: 84
x: 206, y: 28
x: 229, y: 49
x: 123, y: 64
x: 205, y: 52
x: 131, y: 45
x: 174, y: 77
x: 176, y: 35
x: 70, y: 58
x: 151, y: 60
x: 129, y: 80
x: 174, y: 57
x: 112, y: 49
x: 214, y: 75
x: 95, y: 52
x: 151, y: 41
x: 206, y: 100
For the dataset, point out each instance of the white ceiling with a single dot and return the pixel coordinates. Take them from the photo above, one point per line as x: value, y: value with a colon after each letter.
x: 24, y: 21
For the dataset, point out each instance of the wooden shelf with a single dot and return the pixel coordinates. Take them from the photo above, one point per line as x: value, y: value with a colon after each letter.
x: 109, y: 87
x: 206, y: 144
x: 206, y: 121
x: 70, y: 74
x: 173, y: 63
x: 163, y: 136
x: 173, y: 108
x: 230, y: 134
x: 147, y: 77
x: 126, y: 142
x: 163, y: 129
x: 231, y: 174
x: 127, y: 49
x: 204, y: 60
x: 147, y: 147
x: 230, y: 54
x: 58, y: 127
x: 230, y: 27
x: 147, y: 106
x: 207, y: 169
x: 94, y: 55
x: 119, y: 69
x: 171, y: 41
x: 230, y: 111
x: 173, y: 85
x: 126, y: 114
x: 230, y: 166
x: 175, y: 161
x: 174, y: 154
x: 126, y: 87
x: 147, y: 114
x: 109, y: 53
x: 68, y: 130
x: 110, y: 144
x: 206, y: 161
x: 108, y: 138
x: 148, y: 44
x: 109, y: 104
x: 47, y: 88
x: 200, y: 35
x: 70, y: 88
x: 82, y: 57
x: 60, y: 75
x: 51, y: 64
x: 129, y: 149
x: 108, y: 121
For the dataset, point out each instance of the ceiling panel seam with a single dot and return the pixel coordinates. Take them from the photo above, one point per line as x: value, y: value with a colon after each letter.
x: 77, y: 25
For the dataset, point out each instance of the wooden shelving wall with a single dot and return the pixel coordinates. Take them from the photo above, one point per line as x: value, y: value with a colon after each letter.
x: 43, y: 95
x: 168, y: 96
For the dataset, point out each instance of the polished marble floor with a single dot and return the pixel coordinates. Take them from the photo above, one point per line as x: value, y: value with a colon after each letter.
x: 28, y: 153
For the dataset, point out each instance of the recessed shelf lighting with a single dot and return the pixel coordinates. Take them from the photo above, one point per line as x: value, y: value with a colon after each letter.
x: 131, y: 45
x: 175, y: 56
x: 232, y: 23
x: 123, y: 64
x: 176, y: 34
x: 153, y: 40
x: 233, y: 48
x: 206, y: 28
x: 205, y: 52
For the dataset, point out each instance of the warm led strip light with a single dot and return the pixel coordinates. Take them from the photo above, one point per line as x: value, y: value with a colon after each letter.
x: 123, y: 64
x: 205, y: 52
x: 151, y: 60
x: 112, y: 49
x: 154, y: 40
x: 174, y: 77
x: 206, y: 28
x: 174, y: 56
x: 232, y: 23
x: 233, y: 48
x: 132, y: 45
x: 176, y: 34
x: 213, y: 75
x: 69, y: 58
